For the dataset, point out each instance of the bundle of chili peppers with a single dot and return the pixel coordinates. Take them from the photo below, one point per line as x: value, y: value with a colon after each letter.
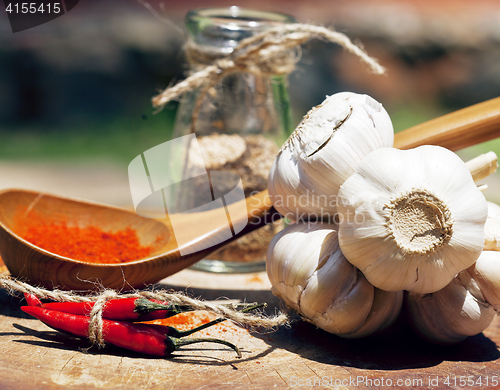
x: 119, y: 326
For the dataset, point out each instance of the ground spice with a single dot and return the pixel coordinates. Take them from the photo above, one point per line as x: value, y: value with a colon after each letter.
x: 89, y: 243
x: 254, y: 279
x: 184, y: 321
x: 190, y: 320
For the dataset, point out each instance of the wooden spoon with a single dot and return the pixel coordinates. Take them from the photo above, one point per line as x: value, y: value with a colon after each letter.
x: 455, y: 131
x: 40, y: 267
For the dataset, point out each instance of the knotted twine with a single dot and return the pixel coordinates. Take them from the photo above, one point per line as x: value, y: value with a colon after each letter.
x: 272, y: 52
x: 95, y: 333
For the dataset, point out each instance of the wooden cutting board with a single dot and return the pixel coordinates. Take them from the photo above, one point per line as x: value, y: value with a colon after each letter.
x: 33, y: 356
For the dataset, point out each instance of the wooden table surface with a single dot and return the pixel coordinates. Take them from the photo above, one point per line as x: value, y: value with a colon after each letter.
x: 33, y: 356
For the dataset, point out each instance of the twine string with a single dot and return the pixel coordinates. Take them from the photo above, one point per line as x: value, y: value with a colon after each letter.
x: 272, y: 52
x: 95, y: 334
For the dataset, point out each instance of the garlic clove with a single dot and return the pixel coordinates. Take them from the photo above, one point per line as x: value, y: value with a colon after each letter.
x: 324, y: 151
x: 383, y: 313
x: 451, y: 314
x: 292, y: 197
x: 337, y: 297
x: 293, y: 256
x: 486, y: 272
x: 311, y: 275
x: 492, y: 228
x: 411, y: 220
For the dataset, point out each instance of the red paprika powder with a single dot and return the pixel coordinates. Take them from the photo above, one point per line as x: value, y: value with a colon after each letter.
x: 87, y: 243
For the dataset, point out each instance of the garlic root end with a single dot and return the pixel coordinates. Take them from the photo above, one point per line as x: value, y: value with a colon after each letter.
x: 483, y: 165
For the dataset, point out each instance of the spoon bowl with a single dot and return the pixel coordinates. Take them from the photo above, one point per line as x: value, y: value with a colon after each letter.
x: 199, y: 233
x: 51, y: 270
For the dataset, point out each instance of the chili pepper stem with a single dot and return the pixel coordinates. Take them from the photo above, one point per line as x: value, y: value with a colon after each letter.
x: 245, y: 306
x: 177, y: 343
x: 177, y: 333
x: 145, y: 306
x: 184, y: 333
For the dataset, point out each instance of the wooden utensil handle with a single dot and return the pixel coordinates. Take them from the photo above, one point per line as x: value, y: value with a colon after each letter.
x: 457, y: 130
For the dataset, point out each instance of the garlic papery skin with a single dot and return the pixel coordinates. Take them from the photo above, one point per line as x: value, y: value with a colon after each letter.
x: 451, y: 314
x: 384, y: 311
x: 482, y: 166
x: 486, y: 272
x: 492, y: 228
x: 411, y: 219
x: 323, y: 151
x: 310, y: 274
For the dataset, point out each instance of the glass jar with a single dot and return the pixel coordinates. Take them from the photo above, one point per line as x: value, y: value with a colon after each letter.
x: 240, y: 124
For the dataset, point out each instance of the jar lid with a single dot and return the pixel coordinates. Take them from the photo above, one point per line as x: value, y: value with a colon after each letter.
x: 222, y: 29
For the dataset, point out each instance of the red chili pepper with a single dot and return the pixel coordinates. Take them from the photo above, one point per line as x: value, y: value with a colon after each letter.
x: 136, y: 337
x: 130, y: 309
x: 32, y: 300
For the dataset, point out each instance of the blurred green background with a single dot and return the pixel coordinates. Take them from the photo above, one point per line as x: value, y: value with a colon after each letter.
x: 78, y: 89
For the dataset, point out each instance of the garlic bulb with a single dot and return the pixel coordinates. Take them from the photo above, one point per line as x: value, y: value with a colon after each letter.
x: 451, y: 314
x: 492, y: 228
x: 310, y: 274
x: 486, y: 272
x: 411, y: 219
x: 324, y: 151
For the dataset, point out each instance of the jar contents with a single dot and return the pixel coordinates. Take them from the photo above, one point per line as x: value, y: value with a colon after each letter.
x: 251, y: 158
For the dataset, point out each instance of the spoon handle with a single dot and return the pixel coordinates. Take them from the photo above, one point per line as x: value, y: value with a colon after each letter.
x: 457, y: 130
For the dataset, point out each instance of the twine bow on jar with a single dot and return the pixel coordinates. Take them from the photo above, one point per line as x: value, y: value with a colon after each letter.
x: 275, y: 51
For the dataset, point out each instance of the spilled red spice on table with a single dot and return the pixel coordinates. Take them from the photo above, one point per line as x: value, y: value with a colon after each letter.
x: 189, y: 320
x: 254, y: 279
x: 185, y: 321
x: 85, y: 243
